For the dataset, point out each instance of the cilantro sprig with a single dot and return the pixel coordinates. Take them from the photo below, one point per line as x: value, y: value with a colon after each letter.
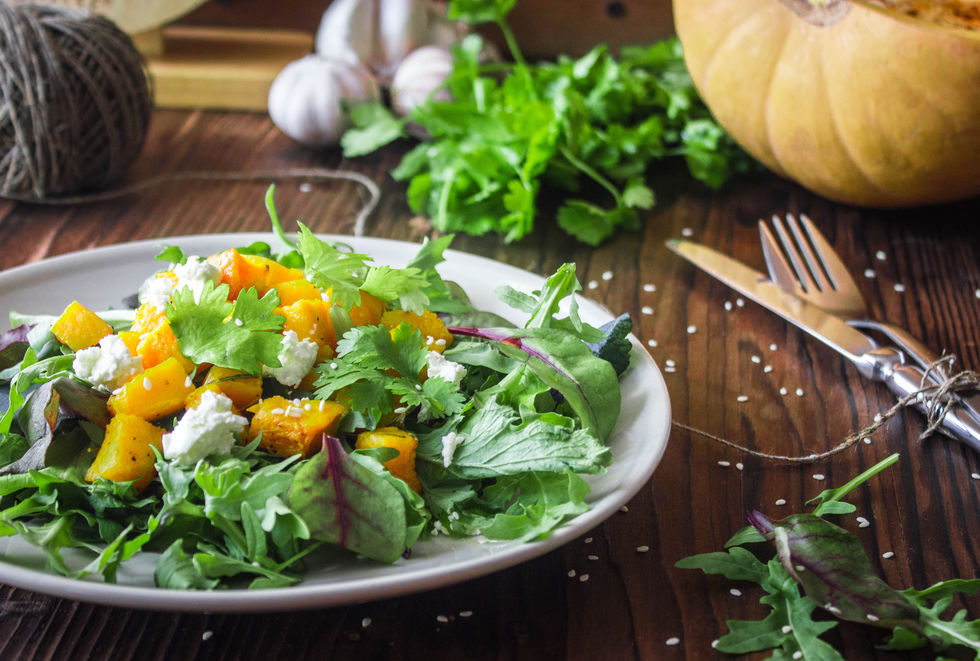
x: 819, y: 565
x: 507, y: 144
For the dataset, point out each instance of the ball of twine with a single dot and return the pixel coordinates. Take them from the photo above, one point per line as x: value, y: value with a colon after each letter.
x: 75, y: 101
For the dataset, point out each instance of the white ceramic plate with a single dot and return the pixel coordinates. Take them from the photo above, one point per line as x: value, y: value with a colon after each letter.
x: 102, y: 277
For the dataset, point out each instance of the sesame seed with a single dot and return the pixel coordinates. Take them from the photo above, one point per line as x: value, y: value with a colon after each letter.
x: 147, y: 384
x: 878, y: 417
x: 188, y: 381
x: 977, y: 293
x: 307, y: 406
x: 239, y: 322
x: 867, y: 441
x: 740, y: 466
x: 756, y: 360
x: 571, y: 573
x: 872, y: 617
x: 888, y: 554
x: 669, y: 362
x: 862, y: 522
x: 869, y: 273
x: 724, y: 464
x: 646, y: 309
x: 649, y: 287
x: 742, y: 398
x: 780, y: 501
x: 786, y: 628
x: 735, y: 592
x: 687, y: 231
x: 767, y: 369
x: 714, y: 643
x: 322, y: 403
x: 429, y: 340
x: 692, y: 329
x: 365, y: 623
x: 673, y: 640
x: 207, y: 634
x: 880, y: 255
x: 642, y: 549
x: 400, y: 410
x: 294, y: 411
x: 670, y: 370
x: 797, y: 654
x: 624, y: 508
x: 440, y: 342
x: 465, y: 613
x: 305, y: 187
x: 975, y: 476
x: 728, y: 305
x: 593, y: 284
x: 800, y: 568
x: 899, y: 287
x: 583, y: 578
x: 442, y: 618
x: 819, y: 476
x: 588, y: 540
x: 740, y: 302
x: 651, y: 343
x: 333, y: 366
x: 277, y: 411
x: 607, y: 275
x: 772, y: 347
x: 592, y: 557
x: 418, y: 386
x: 799, y: 392
x: 783, y: 391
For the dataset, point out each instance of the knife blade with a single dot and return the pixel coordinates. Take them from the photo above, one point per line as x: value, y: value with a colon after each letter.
x: 876, y: 363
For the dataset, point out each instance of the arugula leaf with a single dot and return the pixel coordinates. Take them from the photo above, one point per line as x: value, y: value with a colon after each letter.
x: 615, y: 347
x: 171, y: 255
x: 243, y: 335
x: 543, y: 305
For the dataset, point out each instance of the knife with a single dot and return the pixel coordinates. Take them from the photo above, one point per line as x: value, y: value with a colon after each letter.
x: 877, y: 363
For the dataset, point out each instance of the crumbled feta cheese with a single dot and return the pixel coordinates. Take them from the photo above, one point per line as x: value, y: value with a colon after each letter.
x: 204, y: 430
x: 296, y: 358
x: 440, y: 368
x: 194, y: 273
x: 450, y: 442
x: 108, y: 365
x: 156, y: 291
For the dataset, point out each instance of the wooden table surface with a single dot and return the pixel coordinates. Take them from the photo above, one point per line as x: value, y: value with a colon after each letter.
x: 924, y: 511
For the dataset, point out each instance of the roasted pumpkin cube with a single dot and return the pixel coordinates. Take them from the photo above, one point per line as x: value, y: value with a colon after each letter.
x: 402, y: 466
x: 147, y: 318
x: 240, y: 272
x: 159, y: 345
x: 434, y: 333
x: 368, y: 313
x: 153, y: 393
x: 80, y: 328
x: 310, y: 320
x: 127, y: 451
x: 241, y: 388
x: 272, y: 272
x: 297, y: 290
x: 291, y: 427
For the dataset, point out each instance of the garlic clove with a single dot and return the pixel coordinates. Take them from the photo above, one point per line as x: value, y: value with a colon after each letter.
x: 347, y: 31
x: 310, y: 97
x: 418, y: 76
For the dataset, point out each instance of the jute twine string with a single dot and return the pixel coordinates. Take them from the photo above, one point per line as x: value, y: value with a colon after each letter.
x: 938, y: 394
x: 75, y: 100
x: 315, y: 174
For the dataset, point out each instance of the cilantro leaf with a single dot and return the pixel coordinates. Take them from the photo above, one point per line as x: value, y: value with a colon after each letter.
x: 172, y: 255
x: 243, y: 335
x: 374, y: 127
x: 329, y: 268
x: 407, y: 286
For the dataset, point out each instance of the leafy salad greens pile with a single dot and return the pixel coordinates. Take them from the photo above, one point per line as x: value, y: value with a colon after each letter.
x: 819, y: 565
x: 529, y: 415
x: 513, y: 131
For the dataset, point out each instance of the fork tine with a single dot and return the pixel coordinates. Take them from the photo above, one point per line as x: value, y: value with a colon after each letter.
x: 779, y: 269
x: 790, y: 250
x: 814, y: 266
x: 835, y: 269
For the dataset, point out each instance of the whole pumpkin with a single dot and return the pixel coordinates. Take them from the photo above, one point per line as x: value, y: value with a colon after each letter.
x: 864, y: 105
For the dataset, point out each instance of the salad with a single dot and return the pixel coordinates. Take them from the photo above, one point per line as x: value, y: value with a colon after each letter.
x: 252, y: 408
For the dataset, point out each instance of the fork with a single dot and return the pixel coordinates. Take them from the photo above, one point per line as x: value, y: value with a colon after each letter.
x: 814, y: 273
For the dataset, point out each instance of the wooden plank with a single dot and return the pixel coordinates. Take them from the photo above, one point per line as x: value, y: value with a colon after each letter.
x: 222, y: 68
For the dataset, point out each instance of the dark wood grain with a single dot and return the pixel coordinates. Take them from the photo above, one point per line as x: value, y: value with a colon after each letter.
x: 925, y: 510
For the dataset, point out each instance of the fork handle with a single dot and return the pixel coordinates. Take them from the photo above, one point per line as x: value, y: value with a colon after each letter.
x: 960, y: 420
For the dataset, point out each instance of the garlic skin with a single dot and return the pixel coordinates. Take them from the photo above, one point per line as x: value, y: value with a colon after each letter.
x: 310, y: 97
x: 419, y: 74
x: 377, y: 33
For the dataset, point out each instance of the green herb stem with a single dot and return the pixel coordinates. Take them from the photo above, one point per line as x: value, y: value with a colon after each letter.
x: 850, y: 485
x: 592, y: 173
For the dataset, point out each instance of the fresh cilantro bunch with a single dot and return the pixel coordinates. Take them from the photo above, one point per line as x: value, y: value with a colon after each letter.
x: 819, y: 565
x: 585, y: 131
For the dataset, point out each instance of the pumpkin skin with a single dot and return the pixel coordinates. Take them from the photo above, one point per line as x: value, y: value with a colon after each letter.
x: 873, y: 109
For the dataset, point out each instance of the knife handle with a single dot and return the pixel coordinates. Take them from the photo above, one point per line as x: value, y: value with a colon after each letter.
x: 960, y: 421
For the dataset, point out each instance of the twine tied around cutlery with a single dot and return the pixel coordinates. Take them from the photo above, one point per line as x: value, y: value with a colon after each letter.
x: 938, y: 394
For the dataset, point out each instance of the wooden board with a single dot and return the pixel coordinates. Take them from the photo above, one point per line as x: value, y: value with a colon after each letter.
x: 220, y: 68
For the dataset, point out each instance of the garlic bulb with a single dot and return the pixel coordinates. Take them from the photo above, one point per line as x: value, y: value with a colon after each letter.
x: 309, y: 98
x: 378, y: 33
x: 418, y: 76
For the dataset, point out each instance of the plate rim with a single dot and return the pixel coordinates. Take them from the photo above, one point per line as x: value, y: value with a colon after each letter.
x: 358, y: 590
